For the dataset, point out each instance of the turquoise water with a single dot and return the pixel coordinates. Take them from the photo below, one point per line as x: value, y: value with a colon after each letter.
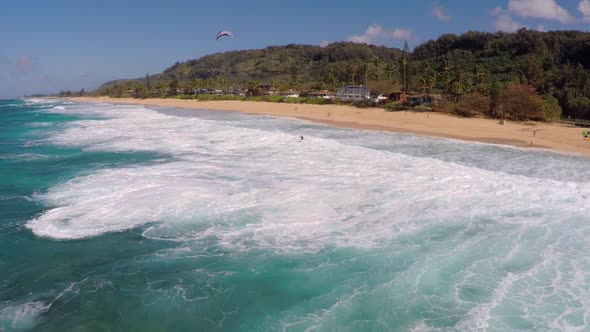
x: 127, y: 218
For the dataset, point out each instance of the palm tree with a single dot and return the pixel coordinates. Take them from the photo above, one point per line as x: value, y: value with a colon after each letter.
x: 428, y: 79
x: 390, y: 69
x: 424, y: 84
x: 457, y: 90
x: 252, y: 88
x: 148, y: 84
x: 377, y: 63
x: 274, y: 83
x: 480, y: 76
x: 432, y: 80
x: 406, y: 52
x: 162, y: 87
x: 331, y: 80
x: 446, y: 76
x: 365, y: 72
x: 353, y: 68
x: 405, y: 64
x: 225, y: 83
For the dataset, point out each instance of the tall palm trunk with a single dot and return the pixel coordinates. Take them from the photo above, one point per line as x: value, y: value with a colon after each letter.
x: 405, y: 63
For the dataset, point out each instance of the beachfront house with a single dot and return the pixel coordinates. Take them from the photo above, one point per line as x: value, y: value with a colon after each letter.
x: 352, y: 92
x: 267, y: 90
x: 424, y: 99
x: 321, y: 94
x: 290, y: 94
x: 236, y: 92
x: 396, y: 96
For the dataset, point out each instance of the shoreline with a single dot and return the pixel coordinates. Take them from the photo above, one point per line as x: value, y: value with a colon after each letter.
x: 542, y: 135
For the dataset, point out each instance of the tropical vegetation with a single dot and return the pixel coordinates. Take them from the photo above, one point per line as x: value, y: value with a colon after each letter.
x: 523, y: 75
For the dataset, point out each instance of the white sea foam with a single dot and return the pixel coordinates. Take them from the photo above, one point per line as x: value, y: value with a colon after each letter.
x: 274, y: 190
x: 23, y: 316
x: 26, y: 315
x: 34, y: 101
x: 25, y: 156
x: 491, y: 237
x: 41, y: 124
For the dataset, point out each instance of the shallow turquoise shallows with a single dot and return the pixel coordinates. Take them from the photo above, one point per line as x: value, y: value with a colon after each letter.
x: 123, y: 218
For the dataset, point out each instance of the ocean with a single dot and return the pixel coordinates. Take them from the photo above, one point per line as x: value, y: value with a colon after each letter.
x: 124, y: 218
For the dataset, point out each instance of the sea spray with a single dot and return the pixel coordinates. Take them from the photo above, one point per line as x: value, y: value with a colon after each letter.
x: 204, y: 220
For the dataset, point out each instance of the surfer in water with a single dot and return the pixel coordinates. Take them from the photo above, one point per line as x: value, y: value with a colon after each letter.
x: 300, y: 138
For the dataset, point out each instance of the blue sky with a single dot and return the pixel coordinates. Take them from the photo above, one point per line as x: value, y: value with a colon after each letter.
x: 47, y: 46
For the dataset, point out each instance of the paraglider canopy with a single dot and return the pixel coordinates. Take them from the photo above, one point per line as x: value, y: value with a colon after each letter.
x: 224, y: 33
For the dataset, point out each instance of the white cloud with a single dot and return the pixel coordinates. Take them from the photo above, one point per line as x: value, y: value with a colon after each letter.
x: 584, y: 8
x: 325, y: 43
x: 504, y: 21
x: 544, y: 9
x: 375, y: 33
x: 438, y: 11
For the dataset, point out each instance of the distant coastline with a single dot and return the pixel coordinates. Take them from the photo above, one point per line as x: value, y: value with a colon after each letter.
x: 526, y: 135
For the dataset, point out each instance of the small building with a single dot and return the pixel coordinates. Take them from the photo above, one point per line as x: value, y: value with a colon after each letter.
x: 236, y: 92
x: 267, y: 90
x: 321, y: 94
x: 289, y: 94
x: 396, y: 96
x: 200, y: 91
x: 424, y: 99
x: 352, y: 92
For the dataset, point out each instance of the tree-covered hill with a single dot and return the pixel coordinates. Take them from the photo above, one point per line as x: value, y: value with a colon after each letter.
x: 289, y: 65
x: 555, y: 64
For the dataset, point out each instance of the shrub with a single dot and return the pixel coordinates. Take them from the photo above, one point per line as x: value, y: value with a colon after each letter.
x: 521, y: 102
x: 464, y: 113
x: 183, y: 97
x: 422, y: 108
x: 205, y: 97
x: 456, y: 109
x: 364, y: 103
x: 274, y: 99
x: 552, y: 108
x: 394, y: 106
x: 317, y: 101
x: 295, y: 100
x: 476, y: 103
x: 579, y: 107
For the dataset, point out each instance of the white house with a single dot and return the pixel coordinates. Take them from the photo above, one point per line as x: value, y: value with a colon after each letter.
x: 352, y: 92
x: 322, y: 94
x: 290, y: 94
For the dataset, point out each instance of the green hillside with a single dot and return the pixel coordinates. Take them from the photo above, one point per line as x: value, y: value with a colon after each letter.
x: 288, y: 65
x: 555, y: 64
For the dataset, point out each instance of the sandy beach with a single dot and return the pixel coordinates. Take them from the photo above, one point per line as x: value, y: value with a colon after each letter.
x: 530, y: 134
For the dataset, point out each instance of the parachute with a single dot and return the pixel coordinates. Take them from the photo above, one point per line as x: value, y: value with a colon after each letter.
x: 224, y: 33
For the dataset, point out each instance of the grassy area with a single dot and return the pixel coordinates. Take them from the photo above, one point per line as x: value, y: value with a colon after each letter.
x: 271, y: 99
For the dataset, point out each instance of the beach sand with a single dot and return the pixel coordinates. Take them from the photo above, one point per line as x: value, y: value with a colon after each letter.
x: 531, y: 134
